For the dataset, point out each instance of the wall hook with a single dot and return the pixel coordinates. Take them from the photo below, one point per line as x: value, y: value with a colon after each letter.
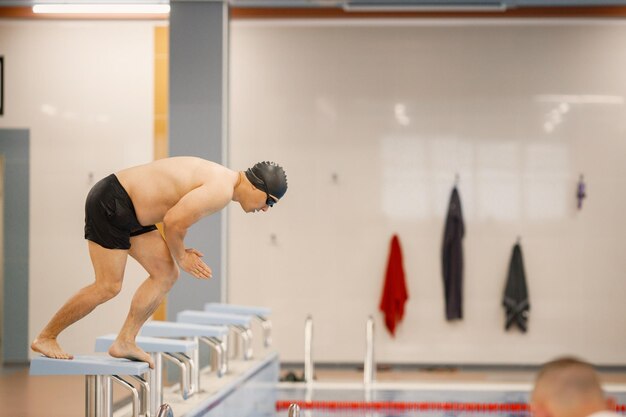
x: 581, y: 192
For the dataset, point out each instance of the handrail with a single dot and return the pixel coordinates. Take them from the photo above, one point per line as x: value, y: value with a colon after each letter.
x: 245, y: 335
x: 308, y: 349
x: 266, y: 325
x: 165, y: 411
x: 145, y: 398
x: 294, y: 410
x: 369, y: 367
x: 190, y: 365
x: 219, y: 359
x: 133, y: 390
x: 185, y: 382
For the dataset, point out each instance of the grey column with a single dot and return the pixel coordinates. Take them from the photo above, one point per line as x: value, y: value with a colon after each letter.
x: 198, y: 120
x: 15, y: 149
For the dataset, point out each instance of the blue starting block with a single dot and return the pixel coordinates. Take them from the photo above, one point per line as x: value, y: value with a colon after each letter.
x: 215, y: 337
x: 238, y: 309
x: 213, y: 318
x: 238, y: 324
x: 261, y: 314
x: 86, y: 365
x: 100, y: 372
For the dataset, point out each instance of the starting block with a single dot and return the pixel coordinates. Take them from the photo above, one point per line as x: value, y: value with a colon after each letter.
x: 100, y: 373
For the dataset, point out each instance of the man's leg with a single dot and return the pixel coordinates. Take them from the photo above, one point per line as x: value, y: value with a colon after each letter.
x: 150, y: 250
x: 109, y: 267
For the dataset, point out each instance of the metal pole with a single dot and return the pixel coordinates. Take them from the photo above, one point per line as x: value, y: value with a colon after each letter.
x: 91, y: 392
x: 195, y: 371
x: 145, y: 394
x: 107, y: 395
x: 294, y: 410
x: 369, y: 367
x: 217, y: 355
x: 98, y: 399
x: 135, y: 394
x: 308, y: 349
x: 266, y: 325
x: 155, y: 380
x: 234, y: 342
x: 165, y: 411
x: 224, y: 364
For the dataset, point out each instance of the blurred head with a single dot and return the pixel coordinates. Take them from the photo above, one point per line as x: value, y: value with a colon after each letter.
x: 568, y: 387
x: 267, y: 185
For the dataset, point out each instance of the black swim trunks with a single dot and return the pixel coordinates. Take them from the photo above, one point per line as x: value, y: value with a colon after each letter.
x: 110, y: 218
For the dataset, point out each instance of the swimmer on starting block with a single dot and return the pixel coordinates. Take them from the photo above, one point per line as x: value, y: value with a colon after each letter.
x: 120, y: 215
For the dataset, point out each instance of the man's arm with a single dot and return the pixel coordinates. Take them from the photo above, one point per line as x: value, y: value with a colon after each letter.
x: 196, y: 204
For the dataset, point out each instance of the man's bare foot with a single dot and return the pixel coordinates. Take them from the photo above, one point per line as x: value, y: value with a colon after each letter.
x: 128, y: 350
x: 50, y: 348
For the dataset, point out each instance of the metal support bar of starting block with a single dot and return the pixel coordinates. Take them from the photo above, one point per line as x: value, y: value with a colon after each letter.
x: 260, y: 314
x: 145, y: 397
x: 219, y: 357
x: 243, y: 342
x: 195, y: 371
x: 155, y: 380
x: 157, y: 348
x: 134, y: 393
x: 98, y: 398
x: 266, y: 325
x: 185, y: 364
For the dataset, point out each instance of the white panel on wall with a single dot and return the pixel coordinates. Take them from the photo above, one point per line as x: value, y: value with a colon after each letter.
x: 372, y: 120
x: 85, y: 91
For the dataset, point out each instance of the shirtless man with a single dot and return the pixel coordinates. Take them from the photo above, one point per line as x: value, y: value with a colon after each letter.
x: 569, y: 387
x: 176, y: 191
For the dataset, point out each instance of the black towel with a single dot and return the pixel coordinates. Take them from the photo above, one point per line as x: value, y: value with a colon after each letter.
x: 452, y: 258
x: 515, y: 299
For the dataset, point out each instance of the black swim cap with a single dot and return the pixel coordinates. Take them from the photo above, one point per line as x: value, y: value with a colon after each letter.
x: 269, y: 177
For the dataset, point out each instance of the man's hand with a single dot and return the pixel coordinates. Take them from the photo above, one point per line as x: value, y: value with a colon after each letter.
x: 192, y: 264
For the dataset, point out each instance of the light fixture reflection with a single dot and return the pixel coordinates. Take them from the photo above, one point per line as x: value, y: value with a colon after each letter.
x: 401, y: 117
x: 579, y: 99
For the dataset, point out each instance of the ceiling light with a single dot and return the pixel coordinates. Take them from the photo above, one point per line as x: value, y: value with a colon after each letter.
x: 101, y: 8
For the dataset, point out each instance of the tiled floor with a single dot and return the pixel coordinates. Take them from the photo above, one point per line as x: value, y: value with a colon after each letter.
x: 24, y: 396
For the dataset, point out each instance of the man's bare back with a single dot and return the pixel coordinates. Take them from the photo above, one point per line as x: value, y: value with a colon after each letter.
x: 156, y: 187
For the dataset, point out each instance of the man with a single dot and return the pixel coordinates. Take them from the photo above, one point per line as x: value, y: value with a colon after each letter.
x: 120, y: 213
x: 569, y: 387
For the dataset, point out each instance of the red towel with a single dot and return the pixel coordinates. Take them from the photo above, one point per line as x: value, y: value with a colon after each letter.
x: 394, y: 292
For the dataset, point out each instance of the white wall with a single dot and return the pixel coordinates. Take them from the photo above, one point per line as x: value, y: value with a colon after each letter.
x: 85, y: 91
x: 394, y: 110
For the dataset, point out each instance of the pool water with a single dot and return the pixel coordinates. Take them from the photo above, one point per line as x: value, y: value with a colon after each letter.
x: 410, y: 401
